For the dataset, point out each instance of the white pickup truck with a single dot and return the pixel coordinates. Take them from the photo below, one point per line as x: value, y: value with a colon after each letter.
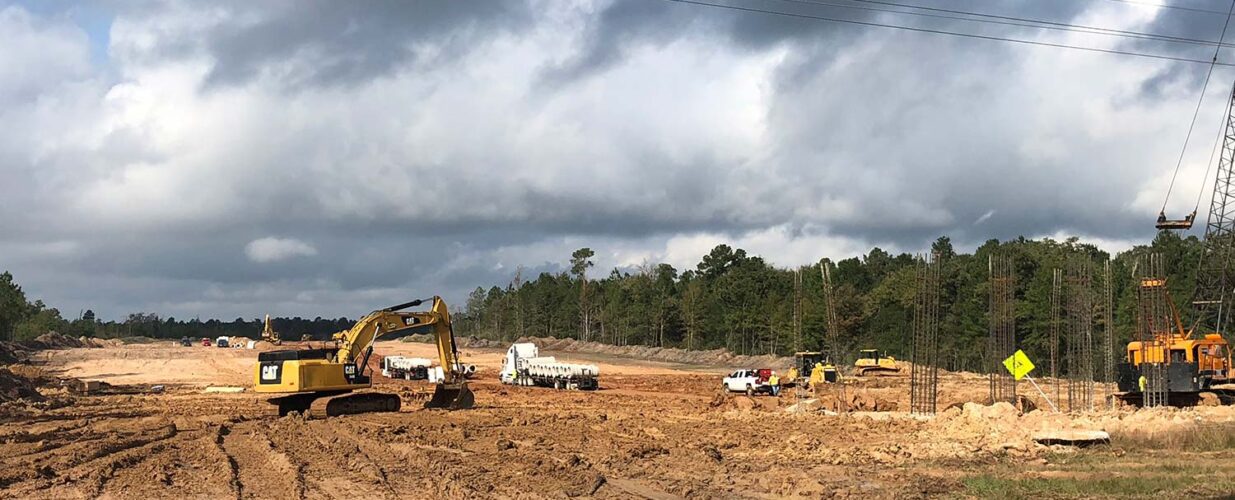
x: 748, y: 381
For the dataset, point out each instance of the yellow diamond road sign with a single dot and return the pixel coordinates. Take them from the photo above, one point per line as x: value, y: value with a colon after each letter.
x: 1018, y: 364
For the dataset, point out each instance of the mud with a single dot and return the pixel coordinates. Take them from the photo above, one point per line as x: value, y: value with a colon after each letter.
x: 650, y: 432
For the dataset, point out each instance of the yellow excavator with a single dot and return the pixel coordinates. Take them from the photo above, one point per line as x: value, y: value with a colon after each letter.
x: 269, y: 335
x: 310, y: 377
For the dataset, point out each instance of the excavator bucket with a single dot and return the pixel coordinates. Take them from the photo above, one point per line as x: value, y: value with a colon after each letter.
x: 452, y: 397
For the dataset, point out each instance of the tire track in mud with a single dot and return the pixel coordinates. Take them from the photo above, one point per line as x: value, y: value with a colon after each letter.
x: 45, y: 442
x: 125, y: 460
x: 58, y: 417
x: 39, y: 474
x: 370, y: 448
x: 233, y: 469
x: 319, y: 474
x: 333, y: 464
x: 22, y: 435
x: 356, y: 460
x: 263, y: 472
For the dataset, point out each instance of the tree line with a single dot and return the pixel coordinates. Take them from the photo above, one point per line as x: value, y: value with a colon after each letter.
x: 21, y: 319
x: 740, y: 302
x: 731, y: 300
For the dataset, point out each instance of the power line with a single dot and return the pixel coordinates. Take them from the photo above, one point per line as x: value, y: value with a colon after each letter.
x: 952, y: 33
x: 1199, y: 100
x: 1167, y: 6
x: 1055, y: 24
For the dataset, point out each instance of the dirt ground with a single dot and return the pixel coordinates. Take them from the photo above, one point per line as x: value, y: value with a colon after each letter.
x: 654, y: 430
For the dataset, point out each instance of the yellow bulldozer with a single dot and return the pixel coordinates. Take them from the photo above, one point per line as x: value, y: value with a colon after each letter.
x: 875, y: 363
x: 329, y: 377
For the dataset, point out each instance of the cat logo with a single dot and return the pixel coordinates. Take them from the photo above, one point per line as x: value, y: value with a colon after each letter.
x: 270, y: 373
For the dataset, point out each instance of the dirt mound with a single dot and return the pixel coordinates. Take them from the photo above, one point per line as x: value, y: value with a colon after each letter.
x: 12, y: 352
x: 97, y: 342
x: 15, y: 387
x: 465, y: 342
x: 56, y: 340
x: 713, y: 357
x: 668, y: 354
x: 32, y: 373
x: 135, y: 340
x: 853, y: 400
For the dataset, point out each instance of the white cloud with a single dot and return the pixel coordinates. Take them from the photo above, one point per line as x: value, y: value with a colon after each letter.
x: 270, y: 249
x: 457, y: 169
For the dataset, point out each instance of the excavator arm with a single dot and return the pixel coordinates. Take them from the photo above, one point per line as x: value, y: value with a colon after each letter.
x: 356, y: 343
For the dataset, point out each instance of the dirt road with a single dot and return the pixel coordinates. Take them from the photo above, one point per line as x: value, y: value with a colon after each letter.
x: 651, y: 432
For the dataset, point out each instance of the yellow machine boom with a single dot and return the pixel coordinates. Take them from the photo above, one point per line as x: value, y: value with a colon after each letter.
x: 268, y: 333
x: 307, y: 375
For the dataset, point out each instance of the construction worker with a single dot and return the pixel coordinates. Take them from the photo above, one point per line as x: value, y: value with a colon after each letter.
x: 774, y: 382
x: 1141, y: 382
x: 816, y: 377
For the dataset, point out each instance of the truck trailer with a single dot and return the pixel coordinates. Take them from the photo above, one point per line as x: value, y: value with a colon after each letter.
x: 406, y: 368
x: 525, y: 366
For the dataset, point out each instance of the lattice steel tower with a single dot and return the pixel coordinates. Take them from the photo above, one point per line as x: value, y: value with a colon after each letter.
x: 1213, y: 281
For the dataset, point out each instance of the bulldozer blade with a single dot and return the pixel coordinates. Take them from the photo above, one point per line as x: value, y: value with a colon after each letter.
x: 457, y: 397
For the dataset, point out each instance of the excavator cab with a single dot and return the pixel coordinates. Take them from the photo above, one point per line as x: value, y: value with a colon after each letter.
x: 1179, y: 224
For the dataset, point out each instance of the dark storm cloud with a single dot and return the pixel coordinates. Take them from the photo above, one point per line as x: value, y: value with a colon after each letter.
x: 347, y: 42
x: 1191, y: 25
x: 623, y: 25
x: 864, y: 135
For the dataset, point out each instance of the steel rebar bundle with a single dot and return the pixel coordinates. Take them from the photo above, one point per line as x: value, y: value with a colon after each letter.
x: 1153, y: 331
x: 1056, y: 292
x: 833, y: 317
x: 924, y: 376
x: 1108, y: 335
x: 797, y: 310
x: 1002, y: 340
x: 1080, y: 336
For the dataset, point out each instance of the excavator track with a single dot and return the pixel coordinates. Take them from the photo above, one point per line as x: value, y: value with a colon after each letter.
x: 878, y: 372
x: 365, y: 402
x: 335, y: 403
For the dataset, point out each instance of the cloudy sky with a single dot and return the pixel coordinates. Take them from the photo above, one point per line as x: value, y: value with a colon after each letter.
x: 223, y: 159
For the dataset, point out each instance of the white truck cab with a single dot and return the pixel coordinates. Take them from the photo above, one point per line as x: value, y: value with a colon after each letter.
x: 748, y: 381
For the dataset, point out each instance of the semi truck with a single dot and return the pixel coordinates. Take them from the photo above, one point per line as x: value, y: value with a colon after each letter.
x: 525, y: 366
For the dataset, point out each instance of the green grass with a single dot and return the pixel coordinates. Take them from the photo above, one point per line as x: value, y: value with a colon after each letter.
x: 1132, y: 486
x: 1199, y: 438
x: 1145, y: 466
